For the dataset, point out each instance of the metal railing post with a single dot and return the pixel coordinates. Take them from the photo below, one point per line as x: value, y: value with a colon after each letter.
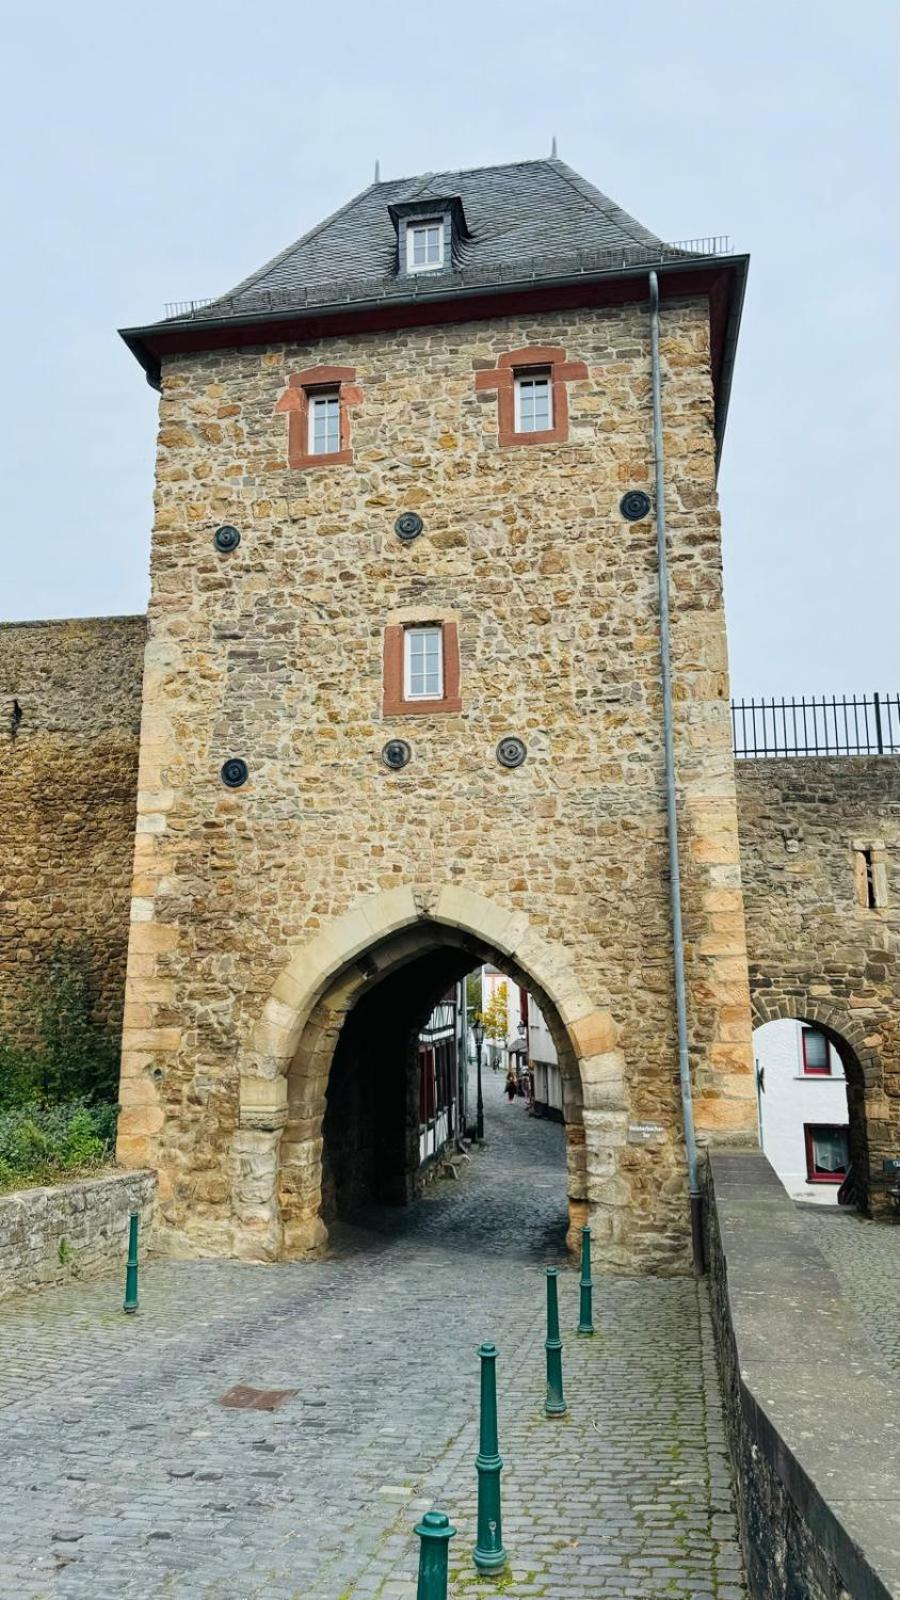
x: 879, y: 734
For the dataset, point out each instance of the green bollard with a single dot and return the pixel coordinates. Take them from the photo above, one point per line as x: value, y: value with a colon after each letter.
x: 131, y: 1271
x: 555, y: 1404
x: 489, y: 1554
x: 585, y: 1315
x: 435, y: 1533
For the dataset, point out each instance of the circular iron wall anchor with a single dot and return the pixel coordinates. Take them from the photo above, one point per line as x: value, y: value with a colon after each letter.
x: 409, y: 525
x: 396, y: 754
x: 511, y: 752
x: 234, y: 773
x: 635, y: 505
x: 226, y: 539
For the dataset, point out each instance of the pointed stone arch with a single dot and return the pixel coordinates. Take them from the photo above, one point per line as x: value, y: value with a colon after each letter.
x: 296, y: 1033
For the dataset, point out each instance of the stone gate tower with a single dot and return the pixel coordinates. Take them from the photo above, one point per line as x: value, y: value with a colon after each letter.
x: 402, y: 707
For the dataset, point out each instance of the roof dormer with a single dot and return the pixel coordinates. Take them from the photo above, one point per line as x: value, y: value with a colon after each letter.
x: 429, y: 232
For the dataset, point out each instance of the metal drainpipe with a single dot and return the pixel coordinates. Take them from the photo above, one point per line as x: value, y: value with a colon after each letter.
x: 684, y: 1063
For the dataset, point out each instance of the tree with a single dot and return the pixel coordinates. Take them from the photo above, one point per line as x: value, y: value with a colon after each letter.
x: 495, y: 1016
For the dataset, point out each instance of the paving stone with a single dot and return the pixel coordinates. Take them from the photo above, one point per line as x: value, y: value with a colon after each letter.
x: 865, y: 1257
x: 156, y: 1490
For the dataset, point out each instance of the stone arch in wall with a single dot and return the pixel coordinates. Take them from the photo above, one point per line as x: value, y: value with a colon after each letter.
x: 277, y: 1153
x: 860, y: 1058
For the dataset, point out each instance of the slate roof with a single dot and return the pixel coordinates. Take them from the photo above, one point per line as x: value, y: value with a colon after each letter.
x: 525, y: 220
x: 526, y: 225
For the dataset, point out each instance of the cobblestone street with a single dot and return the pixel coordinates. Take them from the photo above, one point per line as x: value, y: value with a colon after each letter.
x: 865, y: 1258
x: 121, y: 1475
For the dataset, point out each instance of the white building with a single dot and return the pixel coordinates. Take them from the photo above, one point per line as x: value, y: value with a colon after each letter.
x: 542, y: 1058
x: 544, y: 1065
x: 802, y: 1109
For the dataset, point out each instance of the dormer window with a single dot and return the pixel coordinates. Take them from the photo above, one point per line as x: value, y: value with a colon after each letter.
x: 430, y: 233
x: 425, y: 244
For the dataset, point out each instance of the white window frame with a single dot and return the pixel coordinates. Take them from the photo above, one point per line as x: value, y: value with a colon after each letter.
x: 417, y: 224
x: 530, y: 377
x: 408, y: 635
x: 315, y: 397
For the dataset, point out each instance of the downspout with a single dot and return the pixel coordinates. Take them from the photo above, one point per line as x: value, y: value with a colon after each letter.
x: 684, y: 1063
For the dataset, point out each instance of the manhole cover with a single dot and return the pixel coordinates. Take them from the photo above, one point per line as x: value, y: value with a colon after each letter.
x: 242, y: 1398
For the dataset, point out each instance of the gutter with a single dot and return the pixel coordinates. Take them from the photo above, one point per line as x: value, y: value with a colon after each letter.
x: 684, y: 1060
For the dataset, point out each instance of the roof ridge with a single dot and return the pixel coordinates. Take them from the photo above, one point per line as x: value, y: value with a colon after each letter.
x: 326, y: 222
x: 468, y: 172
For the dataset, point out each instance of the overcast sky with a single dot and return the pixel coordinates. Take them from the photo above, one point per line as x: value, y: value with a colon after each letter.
x: 161, y: 152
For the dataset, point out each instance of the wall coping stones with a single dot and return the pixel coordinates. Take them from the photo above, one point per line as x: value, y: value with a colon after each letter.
x: 813, y: 1414
x: 90, y: 1215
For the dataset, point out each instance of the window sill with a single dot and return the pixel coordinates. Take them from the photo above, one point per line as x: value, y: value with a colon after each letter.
x: 337, y: 458
x: 547, y: 436
x: 838, y: 1178
x: 419, y: 708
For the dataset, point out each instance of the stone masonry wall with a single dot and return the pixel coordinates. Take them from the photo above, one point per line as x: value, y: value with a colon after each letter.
x: 818, y: 1513
x: 73, y: 1230
x: 68, y: 781
x: 274, y: 654
x: 815, y: 952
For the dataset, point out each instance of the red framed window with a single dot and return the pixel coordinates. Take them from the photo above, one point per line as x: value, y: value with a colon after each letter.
x: 317, y: 402
x: 421, y: 669
x: 827, y: 1152
x: 816, y: 1054
x: 532, y: 394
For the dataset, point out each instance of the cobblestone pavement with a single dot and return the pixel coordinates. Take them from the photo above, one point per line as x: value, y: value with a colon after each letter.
x: 865, y: 1258
x: 120, y: 1476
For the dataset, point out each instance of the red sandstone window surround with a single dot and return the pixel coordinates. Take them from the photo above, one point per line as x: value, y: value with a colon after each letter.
x: 311, y: 418
x: 413, y: 668
x: 513, y: 374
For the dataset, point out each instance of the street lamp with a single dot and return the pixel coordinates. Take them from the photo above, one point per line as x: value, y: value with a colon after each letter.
x: 478, y: 1036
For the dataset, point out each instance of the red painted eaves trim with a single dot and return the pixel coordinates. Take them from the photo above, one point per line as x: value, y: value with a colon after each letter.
x: 301, y: 326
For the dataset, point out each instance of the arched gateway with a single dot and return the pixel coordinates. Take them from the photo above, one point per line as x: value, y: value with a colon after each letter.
x: 285, y: 1071
x: 409, y: 699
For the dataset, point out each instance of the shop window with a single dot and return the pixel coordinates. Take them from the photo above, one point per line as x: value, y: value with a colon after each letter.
x: 826, y: 1152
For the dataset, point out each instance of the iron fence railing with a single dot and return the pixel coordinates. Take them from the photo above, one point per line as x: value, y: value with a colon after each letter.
x: 836, y: 726
x: 474, y: 275
x: 186, y: 308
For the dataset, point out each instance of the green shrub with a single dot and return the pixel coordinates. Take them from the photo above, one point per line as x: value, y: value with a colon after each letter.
x: 43, y: 1144
x: 77, y: 1056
